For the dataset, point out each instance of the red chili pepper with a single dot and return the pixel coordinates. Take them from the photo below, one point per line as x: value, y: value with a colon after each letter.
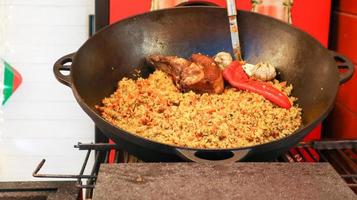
x: 236, y: 76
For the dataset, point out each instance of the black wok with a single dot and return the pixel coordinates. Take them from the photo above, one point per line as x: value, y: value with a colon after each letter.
x: 117, y: 50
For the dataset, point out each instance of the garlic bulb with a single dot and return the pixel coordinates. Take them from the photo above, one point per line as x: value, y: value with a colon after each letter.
x: 223, y: 59
x: 264, y: 71
x: 249, y: 69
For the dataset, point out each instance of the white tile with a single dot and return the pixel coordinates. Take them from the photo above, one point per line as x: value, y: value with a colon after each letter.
x: 40, y: 147
x: 48, y: 15
x: 36, y: 91
x: 48, y: 2
x: 43, y: 110
x: 42, y: 118
x: 44, y: 36
x: 47, y: 129
x: 38, y: 54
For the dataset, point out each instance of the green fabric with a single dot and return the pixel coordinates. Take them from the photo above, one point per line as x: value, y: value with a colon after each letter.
x: 8, y: 82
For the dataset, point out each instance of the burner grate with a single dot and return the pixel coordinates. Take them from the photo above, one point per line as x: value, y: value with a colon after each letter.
x: 344, y: 162
x: 341, y: 154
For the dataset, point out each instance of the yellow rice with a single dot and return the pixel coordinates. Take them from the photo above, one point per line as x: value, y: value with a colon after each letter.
x: 155, y: 109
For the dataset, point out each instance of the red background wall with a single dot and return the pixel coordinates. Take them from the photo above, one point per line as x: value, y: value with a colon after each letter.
x: 343, y: 120
x: 310, y: 16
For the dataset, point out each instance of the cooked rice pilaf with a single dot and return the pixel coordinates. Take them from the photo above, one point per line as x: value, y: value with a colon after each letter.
x: 155, y: 109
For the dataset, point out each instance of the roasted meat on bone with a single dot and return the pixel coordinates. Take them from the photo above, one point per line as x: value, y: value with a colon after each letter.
x: 200, y: 74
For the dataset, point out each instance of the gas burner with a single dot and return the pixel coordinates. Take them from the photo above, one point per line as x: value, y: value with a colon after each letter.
x: 341, y: 154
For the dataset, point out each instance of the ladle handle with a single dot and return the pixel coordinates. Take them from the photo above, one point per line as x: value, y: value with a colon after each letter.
x: 233, y: 27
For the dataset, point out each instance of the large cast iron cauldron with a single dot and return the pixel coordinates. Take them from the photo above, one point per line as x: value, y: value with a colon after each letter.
x: 116, y: 51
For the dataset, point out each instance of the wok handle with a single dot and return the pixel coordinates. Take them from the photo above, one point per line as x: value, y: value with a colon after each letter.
x: 60, y: 65
x: 344, y: 63
x: 221, y: 157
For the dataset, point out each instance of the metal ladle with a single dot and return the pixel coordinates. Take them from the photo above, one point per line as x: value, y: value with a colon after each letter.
x: 232, y: 16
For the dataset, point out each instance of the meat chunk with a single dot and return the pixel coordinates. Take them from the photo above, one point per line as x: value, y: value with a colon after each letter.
x: 201, y: 74
x: 212, y: 81
x: 171, y: 65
